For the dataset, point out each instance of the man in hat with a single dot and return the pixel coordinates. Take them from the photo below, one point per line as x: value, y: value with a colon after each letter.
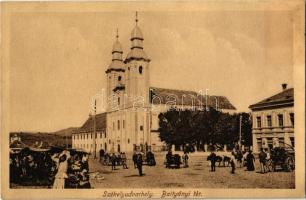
x: 139, y: 163
x: 213, y: 159
x: 262, y: 160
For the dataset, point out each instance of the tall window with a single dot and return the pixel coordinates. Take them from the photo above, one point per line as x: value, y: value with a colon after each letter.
x: 87, y: 135
x: 113, y: 126
x: 280, y: 120
x: 258, y: 122
x: 292, y: 118
x: 123, y: 124
x: 141, y: 128
x: 118, y: 124
x: 140, y: 70
x: 269, y: 121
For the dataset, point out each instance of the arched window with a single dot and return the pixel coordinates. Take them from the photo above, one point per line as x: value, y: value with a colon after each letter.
x: 140, y: 69
x: 119, y: 78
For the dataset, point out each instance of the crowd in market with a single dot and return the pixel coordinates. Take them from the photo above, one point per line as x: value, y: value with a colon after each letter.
x: 56, y: 168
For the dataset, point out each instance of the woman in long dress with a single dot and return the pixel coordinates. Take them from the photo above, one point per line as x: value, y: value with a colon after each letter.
x: 250, y: 159
x: 61, y: 175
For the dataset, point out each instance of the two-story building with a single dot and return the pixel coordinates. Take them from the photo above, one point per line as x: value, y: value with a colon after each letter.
x: 273, y: 121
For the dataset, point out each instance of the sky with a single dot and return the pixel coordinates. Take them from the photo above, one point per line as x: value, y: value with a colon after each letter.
x: 58, y: 59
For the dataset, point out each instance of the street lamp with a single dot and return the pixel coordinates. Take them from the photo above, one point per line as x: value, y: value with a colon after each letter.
x: 240, y: 121
x: 94, y: 131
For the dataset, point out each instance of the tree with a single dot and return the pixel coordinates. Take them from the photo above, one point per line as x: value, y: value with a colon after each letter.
x: 181, y: 127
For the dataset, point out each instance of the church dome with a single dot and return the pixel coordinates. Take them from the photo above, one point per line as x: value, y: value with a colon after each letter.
x: 136, y: 33
x: 117, y: 47
x: 117, y: 62
x: 136, y: 52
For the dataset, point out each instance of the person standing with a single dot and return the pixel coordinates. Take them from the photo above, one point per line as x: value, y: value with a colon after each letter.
x: 168, y: 159
x: 123, y: 160
x: 185, y: 159
x: 113, y: 161
x: 233, y: 162
x: 84, y: 162
x: 213, y: 159
x: 139, y: 163
x: 61, y: 175
x: 250, y: 159
x: 262, y: 160
x: 135, y: 159
x: 239, y: 157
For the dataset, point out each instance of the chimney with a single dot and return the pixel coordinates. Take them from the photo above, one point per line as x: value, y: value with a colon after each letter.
x: 284, y: 86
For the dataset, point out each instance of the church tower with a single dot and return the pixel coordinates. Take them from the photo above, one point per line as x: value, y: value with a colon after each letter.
x: 115, y: 92
x: 137, y: 67
x: 137, y: 90
x: 115, y: 77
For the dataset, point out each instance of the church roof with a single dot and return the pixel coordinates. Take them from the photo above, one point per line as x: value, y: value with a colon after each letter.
x: 117, y: 47
x: 89, y: 124
x: 284, y: 98
x: 136, y: 33
x: 137, y: 54
x: 189, y: 98
x: 116, y: 64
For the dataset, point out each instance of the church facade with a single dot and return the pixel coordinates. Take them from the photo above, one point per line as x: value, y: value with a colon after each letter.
x: 133, y: 105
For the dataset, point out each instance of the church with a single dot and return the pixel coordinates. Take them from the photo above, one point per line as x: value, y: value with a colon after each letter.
x: 130, y: 121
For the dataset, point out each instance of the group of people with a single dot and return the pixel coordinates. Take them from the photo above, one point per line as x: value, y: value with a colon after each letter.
x: 72, y: 171
x: 233, y: 160
x: 264, y: 157
x: 114, y: 159
x: 139, y: 158
x: 120, y: 159
x: 243, y: 159
x: 30, y: 167
x: 58, y: 169
x: 175, y: 160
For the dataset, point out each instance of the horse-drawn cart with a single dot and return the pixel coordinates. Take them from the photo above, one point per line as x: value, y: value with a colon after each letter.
x: 173, y: 161
x: 282, y: 158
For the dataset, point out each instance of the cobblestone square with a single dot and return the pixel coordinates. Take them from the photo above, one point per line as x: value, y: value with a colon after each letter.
x: 198, y: 175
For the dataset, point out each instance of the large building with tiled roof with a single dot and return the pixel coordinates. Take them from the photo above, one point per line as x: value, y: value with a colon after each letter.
x: 131, y: 118
x: 273, y: 121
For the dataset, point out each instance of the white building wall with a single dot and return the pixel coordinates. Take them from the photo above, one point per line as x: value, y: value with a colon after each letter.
x: 264, y: 132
